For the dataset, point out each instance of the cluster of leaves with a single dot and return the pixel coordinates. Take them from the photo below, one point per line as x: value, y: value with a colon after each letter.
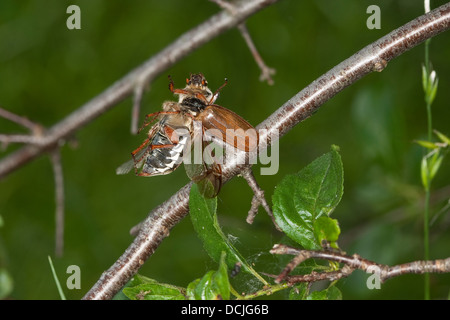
x: 302, y: 204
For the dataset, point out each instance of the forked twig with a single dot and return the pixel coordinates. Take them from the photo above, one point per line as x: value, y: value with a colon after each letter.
x: 35, y: 138
x: 36, y: 130
x: 258, y: 197
x: 352, y: 263
x: 266, y: 72
x: 24, y: 122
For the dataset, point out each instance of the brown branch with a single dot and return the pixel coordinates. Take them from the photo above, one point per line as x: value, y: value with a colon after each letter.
x: 135, y: 110
x: 137, y: 78
x: 352, y: 263
x: 266, y: 72
x: 36, y: 130
x: 35, y: 138
x: 24, y: 122
x: 55, y: 157
x: 258, y: 198
x: 20, y: 138
x: 372, y: 58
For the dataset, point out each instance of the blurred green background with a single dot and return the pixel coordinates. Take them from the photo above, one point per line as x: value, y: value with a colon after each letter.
x: 48, y: 71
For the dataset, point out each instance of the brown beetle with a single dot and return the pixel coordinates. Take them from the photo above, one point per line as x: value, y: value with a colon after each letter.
x: 171, y: 136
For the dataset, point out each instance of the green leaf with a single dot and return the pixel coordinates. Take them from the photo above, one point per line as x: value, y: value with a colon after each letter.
x: 139, y: 279
x: 442, y: 137
x: 331, y: 293
x: 190, y: 290
x: 155, y: 291
x: 135, y: 281
x: 6, y: 283
x: 220, y: 278
x: 430, y: 82
x: 327, y: 229
x: 424, y: 78
x: 203, y: 290
x: 427, y: 144
x: 424, y: 172
x: 429, y: 167
x: 55, y: 277
x: 435, y: 164
x: 213, y: 286
x: 204, y: 219
x: 299, y: 291
x: 300, y: 199
x: 433, y: 91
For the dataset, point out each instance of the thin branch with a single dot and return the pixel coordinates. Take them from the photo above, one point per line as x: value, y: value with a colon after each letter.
x: 258, y: 198
x: 266, y: 72
x: 24, y: 122
x: 314, y: 276
x: 20, y: 138
x: 35, y: 138
x: 55, y: 157
x: 352, y: 263
x: 135, y: 111
x: 140, y: 76
x: 36, y: 130
x: 298, y: 108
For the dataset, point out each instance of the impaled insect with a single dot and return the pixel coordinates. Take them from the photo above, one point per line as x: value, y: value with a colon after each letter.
x: 170, y: 137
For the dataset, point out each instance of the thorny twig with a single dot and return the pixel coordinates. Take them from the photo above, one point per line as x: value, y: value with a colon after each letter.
x: 351, y: 263
x: 298, y: 108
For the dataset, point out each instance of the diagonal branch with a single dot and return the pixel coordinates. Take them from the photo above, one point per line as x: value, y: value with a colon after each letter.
x: 137, y: 78
x: 374, y: 57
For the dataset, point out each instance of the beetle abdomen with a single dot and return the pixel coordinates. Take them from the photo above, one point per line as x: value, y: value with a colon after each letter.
x: 164, y: 160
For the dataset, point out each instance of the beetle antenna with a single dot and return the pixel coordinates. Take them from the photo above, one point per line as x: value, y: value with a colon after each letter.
x: 216, y: 94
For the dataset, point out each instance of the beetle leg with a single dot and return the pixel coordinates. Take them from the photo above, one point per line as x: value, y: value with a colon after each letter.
x: 217, y: 173
x: 133, y: 154
x: 173, y: 90
x: 150, y: 135
x: 151, y: 116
